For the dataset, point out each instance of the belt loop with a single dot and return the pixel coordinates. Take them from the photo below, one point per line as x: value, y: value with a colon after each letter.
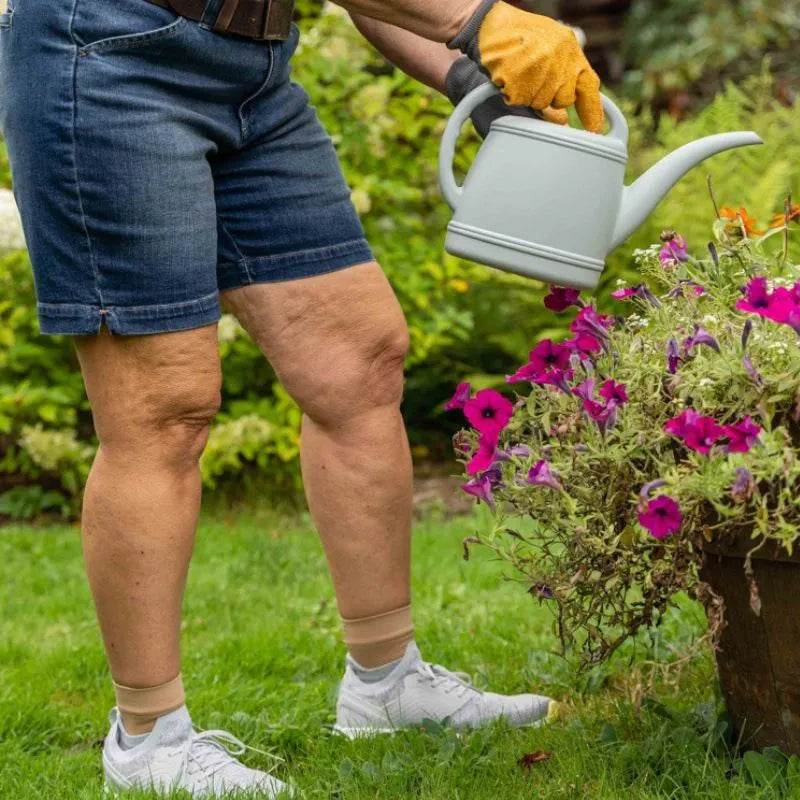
x: 225, y: 15
x: 210, y: 14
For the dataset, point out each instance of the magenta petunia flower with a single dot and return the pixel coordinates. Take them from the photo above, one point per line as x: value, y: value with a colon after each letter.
x: 742, y: 436
x: 555, y: 377
x: 604, y: 414
x: 777, y: 305
x: 673, y: 252
x: 483, y: 487
x: 520, y: 450
x: 701, y: 336
x: 525, y: 373
x: 540, y: 475
x: 585, y: 390
x: 488, y: 411
x: 561, y: 298
x: 589, y: 321
x: 673, y: 356
x: 460, y: 397
x: 485, y: 455
x: 614, y: 391
x: 703, y: 435
x: 744, y: 486
x: 549, y: 355
x: 625, y: 293
x: 661, y: 517
x: 584, y: 344
x: 698, y: 433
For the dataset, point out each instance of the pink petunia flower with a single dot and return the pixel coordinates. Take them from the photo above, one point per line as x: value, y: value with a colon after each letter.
x: 584, y: 344
x: 561, y: 298
x: 777, y: 305
x: 661, y: 517
x: 614, y: 391
x: 589, y: 321
x: 698, y: 433
x: 540, y: 475
x: 701, y: 336
x: 485, y: 455
x: 625, y: 293
x: 488, y: 411
x: 460, y: 397
x: 742, y: 436
x: 674, y: 252
x: 549, y: 355
x: 483, y: 487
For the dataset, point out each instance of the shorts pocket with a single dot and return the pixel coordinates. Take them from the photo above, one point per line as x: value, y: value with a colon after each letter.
x: 104, y: 26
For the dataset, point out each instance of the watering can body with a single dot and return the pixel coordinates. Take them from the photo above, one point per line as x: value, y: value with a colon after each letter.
x: 549, y: 202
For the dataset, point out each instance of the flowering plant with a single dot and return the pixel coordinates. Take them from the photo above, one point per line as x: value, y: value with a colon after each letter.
x: 641, y: 435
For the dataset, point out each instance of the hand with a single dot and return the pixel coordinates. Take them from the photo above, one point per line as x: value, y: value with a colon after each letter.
x: 536, y: 61
x: 465, y: 75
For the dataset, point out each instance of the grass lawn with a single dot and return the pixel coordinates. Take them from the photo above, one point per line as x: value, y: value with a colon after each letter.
x: 263, y: 654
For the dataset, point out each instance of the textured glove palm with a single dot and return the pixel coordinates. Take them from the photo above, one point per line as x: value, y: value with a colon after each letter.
x: 535, y: 60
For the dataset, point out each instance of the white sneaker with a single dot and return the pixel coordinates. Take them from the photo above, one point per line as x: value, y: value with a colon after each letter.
x: 175, y: 756
x: 415, y: 691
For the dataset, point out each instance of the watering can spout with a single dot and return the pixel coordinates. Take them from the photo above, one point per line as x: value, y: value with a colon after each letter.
x: 641, y: 197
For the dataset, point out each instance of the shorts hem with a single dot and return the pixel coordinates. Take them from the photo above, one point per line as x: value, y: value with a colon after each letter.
x: 293, y: 266
x: 78, y: 319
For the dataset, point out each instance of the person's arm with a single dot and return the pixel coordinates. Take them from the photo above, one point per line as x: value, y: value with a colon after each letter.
x: 536, y: 61
x: 441, y: 68
x: 424, y: 60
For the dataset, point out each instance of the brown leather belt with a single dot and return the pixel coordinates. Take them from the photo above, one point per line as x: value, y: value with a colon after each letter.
x: 255, y: 19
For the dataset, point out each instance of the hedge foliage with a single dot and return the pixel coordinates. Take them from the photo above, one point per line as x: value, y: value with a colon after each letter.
x: 465, y: 320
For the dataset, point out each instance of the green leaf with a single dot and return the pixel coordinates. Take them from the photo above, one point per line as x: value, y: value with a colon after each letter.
x: 762, y: 771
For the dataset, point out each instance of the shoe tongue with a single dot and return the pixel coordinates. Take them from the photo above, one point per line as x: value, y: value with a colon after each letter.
x: 174, y: 728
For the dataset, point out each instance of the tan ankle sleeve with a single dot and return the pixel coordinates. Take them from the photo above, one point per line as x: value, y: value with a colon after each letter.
x: 381, y: 639
x: 140, y: 708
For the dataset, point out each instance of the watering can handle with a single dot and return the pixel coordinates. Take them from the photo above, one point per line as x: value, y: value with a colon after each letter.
x: 447, y: 151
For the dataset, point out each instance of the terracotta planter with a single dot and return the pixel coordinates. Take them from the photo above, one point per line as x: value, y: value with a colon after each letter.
x: 759, y: 655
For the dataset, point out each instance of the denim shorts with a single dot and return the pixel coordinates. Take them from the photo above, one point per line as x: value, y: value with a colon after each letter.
x: 156, y: 163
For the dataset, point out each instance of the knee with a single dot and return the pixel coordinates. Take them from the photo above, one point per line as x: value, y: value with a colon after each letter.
x: 364, y: 373
x: 168, y: 426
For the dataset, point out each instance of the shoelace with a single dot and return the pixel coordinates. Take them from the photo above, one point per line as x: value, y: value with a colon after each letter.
x: 458, y: 683
x: 217, y: 751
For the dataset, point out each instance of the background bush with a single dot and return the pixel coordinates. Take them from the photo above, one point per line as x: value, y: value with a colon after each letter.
x: 466, y: 321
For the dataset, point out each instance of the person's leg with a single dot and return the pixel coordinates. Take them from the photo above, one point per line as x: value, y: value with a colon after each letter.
x: 338, y: 344
x: 152, y: 398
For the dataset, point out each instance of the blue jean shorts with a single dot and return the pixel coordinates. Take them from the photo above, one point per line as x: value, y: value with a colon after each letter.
x: 156, y: 163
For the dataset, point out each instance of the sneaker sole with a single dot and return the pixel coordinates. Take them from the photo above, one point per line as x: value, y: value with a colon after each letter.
x: 367, y: 733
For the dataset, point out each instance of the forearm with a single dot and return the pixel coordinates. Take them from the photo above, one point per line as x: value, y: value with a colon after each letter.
x: 434, y: 20
x: 424, y: 60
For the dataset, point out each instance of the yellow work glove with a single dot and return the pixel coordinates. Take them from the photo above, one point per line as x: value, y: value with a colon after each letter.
x: 535, y: 60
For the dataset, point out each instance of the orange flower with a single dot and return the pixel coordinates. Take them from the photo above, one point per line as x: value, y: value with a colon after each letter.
x: 746, y: 222
x: 779, y: 220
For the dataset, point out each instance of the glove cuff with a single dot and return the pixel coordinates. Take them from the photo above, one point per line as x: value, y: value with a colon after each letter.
x: 467, y: 39
x: 462, y: 78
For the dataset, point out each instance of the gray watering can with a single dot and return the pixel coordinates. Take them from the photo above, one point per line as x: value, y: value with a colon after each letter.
x: 549, y: 202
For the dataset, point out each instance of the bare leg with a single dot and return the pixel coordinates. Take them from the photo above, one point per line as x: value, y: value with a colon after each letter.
x: 153, y: 398
x: 338, y: 343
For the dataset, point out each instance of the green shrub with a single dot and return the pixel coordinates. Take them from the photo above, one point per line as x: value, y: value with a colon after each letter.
x: 689, y: 44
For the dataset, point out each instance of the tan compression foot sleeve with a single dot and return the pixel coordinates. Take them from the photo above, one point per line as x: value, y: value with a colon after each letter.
x: 375, y: 641
x: 140, y: 708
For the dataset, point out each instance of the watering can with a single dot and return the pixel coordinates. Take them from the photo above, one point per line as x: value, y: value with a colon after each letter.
x: 548, y: 201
